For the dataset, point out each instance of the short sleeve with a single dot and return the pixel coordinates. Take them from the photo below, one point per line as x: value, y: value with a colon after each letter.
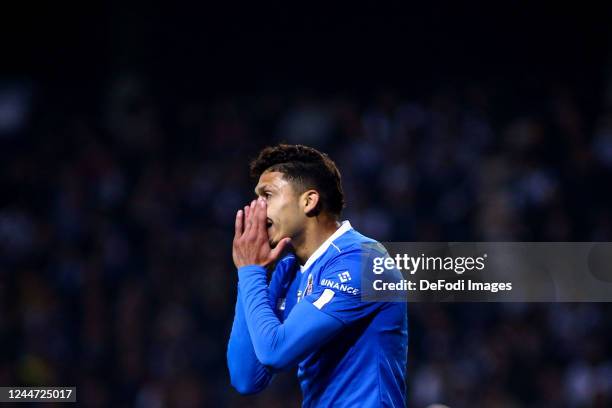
x: 338, y: 289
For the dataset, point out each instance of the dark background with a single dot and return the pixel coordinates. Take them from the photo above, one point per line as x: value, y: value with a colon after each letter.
x: 125, y: 136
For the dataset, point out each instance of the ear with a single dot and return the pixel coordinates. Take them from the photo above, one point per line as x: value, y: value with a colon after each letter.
x: 310, y: 202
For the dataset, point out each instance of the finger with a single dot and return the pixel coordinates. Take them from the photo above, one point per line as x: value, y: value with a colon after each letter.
x: 280, y: 247
x: 256, y: 215
x: 247, y: 216
x: 249, y: 223
x: 238, y: 225
x: 261, y: 219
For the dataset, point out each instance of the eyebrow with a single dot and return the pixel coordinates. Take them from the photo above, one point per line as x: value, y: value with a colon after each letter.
x: 262, y: 187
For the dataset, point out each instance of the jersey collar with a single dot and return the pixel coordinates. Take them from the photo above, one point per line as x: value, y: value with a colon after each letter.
x: 344, y: 227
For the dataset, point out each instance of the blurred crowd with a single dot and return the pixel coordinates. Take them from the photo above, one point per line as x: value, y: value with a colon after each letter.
x: 116, y: 224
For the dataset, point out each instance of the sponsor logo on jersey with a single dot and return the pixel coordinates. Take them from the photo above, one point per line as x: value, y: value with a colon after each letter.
x: 344, y: 276
x: 339, y: 286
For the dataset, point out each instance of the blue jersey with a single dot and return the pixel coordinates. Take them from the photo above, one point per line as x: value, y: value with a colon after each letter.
x: 348, y: 352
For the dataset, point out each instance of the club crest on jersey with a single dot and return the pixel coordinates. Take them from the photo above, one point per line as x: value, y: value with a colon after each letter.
x: 307, y: 290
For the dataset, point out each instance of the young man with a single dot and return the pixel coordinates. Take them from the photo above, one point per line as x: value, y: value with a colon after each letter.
x: 349, y: 353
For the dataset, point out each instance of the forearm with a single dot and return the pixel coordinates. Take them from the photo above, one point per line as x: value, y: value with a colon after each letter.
x: 247, y: 374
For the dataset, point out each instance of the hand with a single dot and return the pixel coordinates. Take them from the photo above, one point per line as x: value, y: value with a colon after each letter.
x: 251, y: 244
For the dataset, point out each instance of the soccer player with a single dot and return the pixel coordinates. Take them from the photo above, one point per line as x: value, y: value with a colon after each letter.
x: 349, y: 353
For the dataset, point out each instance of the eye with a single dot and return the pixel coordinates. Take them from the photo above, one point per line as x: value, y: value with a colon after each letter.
x: 267, y: 194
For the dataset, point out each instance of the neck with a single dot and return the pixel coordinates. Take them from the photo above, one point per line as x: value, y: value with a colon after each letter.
x: 316, y: 233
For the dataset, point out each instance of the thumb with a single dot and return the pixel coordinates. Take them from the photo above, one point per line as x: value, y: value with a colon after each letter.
x: 280, y: 247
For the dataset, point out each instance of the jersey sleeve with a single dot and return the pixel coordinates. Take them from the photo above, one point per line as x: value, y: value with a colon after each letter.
x: 338, y: 290
x: 247, y: 374
x: 280, y: 282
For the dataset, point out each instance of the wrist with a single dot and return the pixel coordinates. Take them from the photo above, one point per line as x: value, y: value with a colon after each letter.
x: 248, y: 270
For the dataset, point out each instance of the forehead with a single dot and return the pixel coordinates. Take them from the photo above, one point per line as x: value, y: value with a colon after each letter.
x: 273, y: 180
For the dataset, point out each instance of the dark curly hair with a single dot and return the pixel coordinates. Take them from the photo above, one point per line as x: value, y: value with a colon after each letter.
x: 307, y: 168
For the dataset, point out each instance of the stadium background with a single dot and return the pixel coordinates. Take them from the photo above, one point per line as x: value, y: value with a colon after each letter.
x: 125, y: 134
